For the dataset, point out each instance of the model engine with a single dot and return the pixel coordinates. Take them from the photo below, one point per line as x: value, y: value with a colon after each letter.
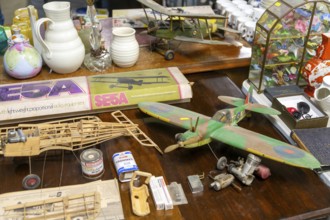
x: 15, y: 136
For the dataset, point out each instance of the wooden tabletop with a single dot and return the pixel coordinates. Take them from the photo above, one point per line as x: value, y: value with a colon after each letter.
x: 189, y: 57
x: 289, y: 191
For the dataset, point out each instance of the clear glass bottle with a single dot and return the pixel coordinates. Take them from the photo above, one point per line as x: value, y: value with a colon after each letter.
x: 21, y: 20
x: 99, y: 58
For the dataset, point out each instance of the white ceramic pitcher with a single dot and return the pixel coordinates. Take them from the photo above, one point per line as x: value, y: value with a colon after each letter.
x: 322, y: 95
x: 63, y: 50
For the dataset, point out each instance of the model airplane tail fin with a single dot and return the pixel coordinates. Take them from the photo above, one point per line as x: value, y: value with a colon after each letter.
x: 237, y: 101
x: 248, y: 98
x: 254, y: 107
x: 248, y: 105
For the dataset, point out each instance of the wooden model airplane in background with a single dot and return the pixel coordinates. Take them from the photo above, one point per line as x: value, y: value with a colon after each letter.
x: 26, y: 140
x: 183, y: 27
x: 223, y: 127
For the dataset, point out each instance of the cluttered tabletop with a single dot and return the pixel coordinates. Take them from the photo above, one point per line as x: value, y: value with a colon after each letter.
x: 288, y: 191
x: 103, y: 139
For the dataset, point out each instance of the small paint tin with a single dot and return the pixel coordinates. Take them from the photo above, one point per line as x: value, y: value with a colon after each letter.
x: 92, y: 163
x: 125, y: 165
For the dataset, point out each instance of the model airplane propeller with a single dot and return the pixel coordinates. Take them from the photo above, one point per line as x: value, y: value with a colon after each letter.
x: 223, y: 127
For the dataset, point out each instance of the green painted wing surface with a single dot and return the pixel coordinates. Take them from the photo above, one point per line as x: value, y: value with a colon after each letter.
x: 255, y: 107
x: 232, y: 100
x: 249, y: 106
x: 171, y: 114
x: 265, y: 146
x: 200, y: 40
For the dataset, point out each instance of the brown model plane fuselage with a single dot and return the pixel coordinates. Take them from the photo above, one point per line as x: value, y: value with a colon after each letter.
x: 69, y: 134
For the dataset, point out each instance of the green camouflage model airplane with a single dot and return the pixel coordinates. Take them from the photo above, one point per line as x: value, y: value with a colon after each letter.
x: 223, y: 127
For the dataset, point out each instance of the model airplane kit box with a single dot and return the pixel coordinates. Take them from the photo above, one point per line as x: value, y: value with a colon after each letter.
x: 125, y: 89
x: 90, y: 94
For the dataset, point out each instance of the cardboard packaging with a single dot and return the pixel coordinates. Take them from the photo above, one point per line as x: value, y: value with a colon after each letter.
x: 318, y: 117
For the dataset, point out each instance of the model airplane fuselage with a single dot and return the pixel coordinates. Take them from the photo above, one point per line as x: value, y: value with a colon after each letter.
x: 68, y: 134
x: 72, y: 134
x: 201, y: 134
x: 223, y: 127
x: 26, y: 140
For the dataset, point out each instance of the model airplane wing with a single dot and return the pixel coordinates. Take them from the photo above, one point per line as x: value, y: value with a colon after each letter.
x: 265, y: 146
x: 229, y: 30
x: 157, y: 7
x: 172, y: 114
x: 132, y: 77
x: 202, y: 41
x: 232, y: 100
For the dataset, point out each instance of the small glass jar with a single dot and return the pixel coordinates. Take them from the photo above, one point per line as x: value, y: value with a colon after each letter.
x: 21, y: 20
x: 98, y: 61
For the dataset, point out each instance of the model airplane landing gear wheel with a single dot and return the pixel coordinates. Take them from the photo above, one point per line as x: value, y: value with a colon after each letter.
x: 31, y: 181
x: 222, y: 163
x: 169, y: 55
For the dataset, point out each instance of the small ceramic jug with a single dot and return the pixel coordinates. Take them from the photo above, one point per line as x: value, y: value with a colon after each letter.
x: 63, y: 50
x: 124, y: 47
x: 21, y: 60
x: 234, y: 18
x: 322, y: 95
x: 248, y: 31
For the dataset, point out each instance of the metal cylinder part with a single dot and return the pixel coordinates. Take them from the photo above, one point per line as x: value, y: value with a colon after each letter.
x: 252, y: 161
x: 92, y: 163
